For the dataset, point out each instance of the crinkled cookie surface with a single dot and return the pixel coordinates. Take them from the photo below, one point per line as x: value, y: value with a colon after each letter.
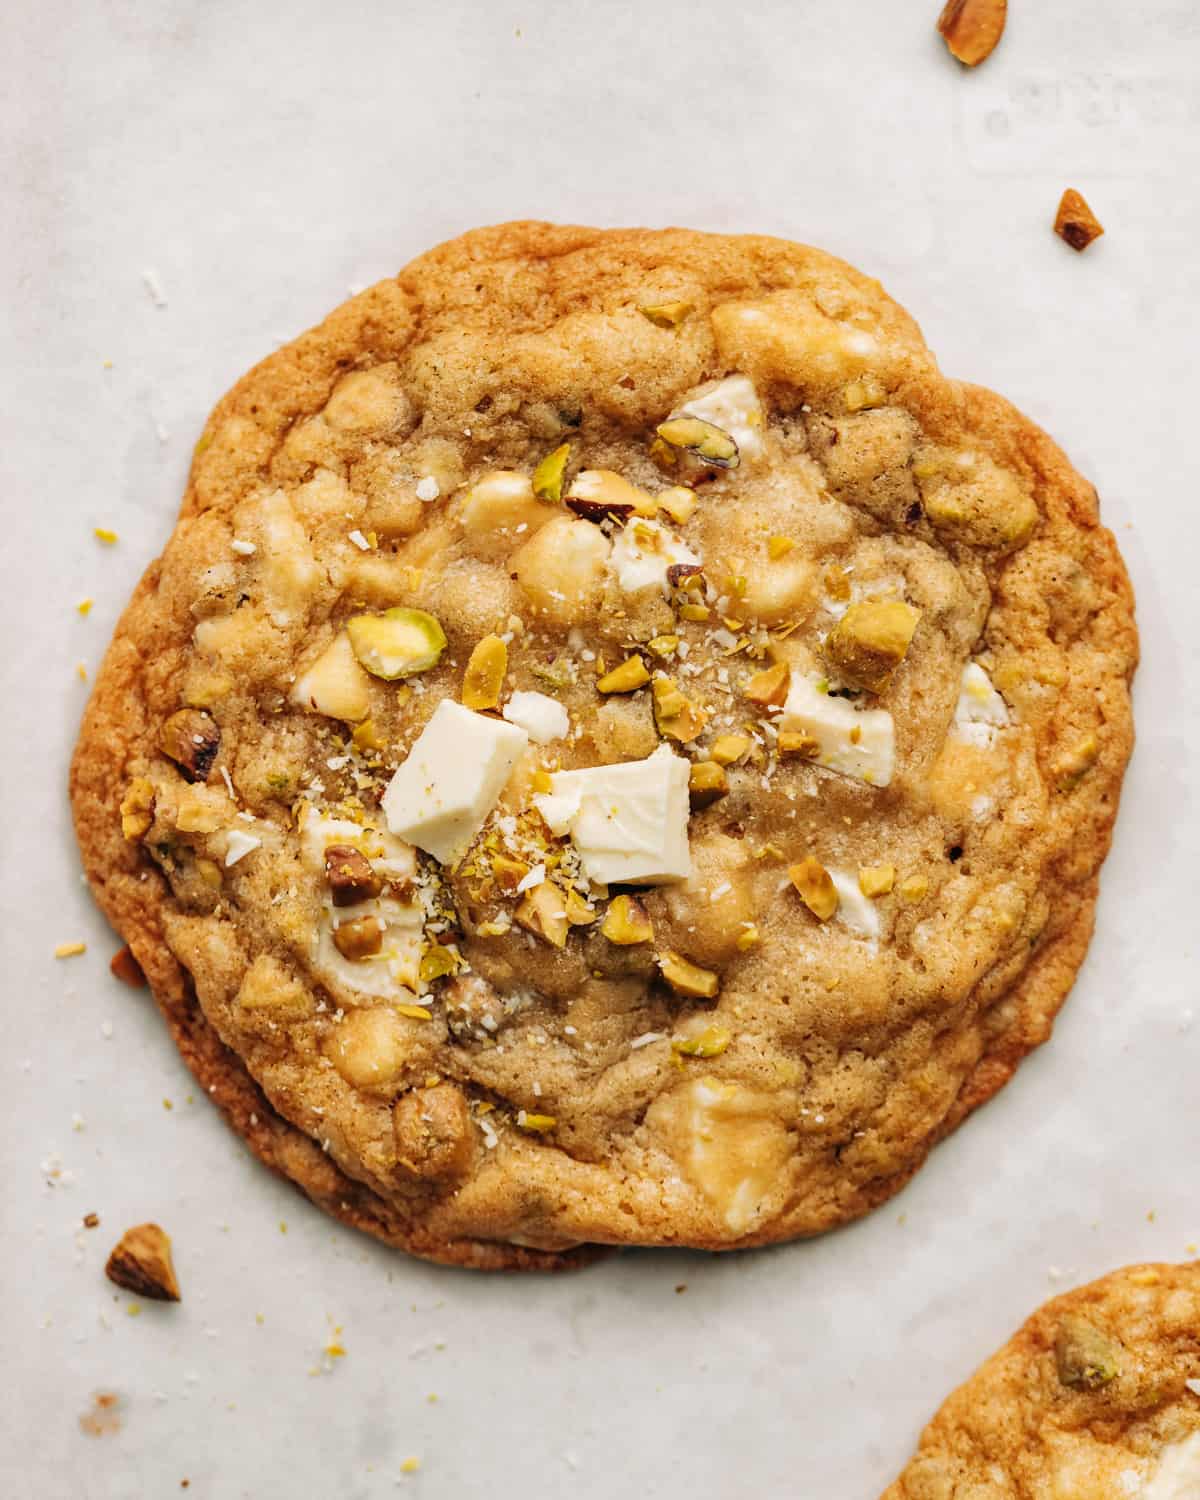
x: 552, y: 502
x: 1097, y: 1397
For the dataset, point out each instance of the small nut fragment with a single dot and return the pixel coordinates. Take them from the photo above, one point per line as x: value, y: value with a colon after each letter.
x: 627, y: 922
x: 779, y: 546
x: 398, y: 643
x: 434, y: 1138
x: 687, y: 978
x: 535, y: 1124
x: 707, y: 442
x: 509, y: 872
x: 796, y: 742
x: 686, y: 576
x: 710, y: 1042
x: 436, y: 962
x: 366, y: 737
x: 726, y: 749
x: 548, y: 476
x: 191, y: 739
x: 361, y: 938
x: 748, y: 938
x: 125, y: 967
x: 137, y: 809
x: 1075, y: 222
x: 666, y: 314
x: 870, y: 641
x: 914, y: 889
x: 815, y: 886
x: 676, y: 716
x: 972, y: 28
x: 1085, y: 1358
x: 603, y: 494
x: 141, y: 1263
x: 707, y: 783
x: 876, y: 880
x: 350, y: 876
x: 1071, y: 767
x: 483, y: 680
x: 579, y: 913
x: 630, y: 675
x: 837, y: 583
x: 543, y: 912
x: 769, y: 686
x: 678, y: 502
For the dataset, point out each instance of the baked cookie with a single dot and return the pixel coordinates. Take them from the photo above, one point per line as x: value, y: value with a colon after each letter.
x: 617, y: 750
x: 1097, y: 1397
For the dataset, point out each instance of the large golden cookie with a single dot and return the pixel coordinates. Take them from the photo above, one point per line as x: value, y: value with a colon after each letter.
x: 698, y: 504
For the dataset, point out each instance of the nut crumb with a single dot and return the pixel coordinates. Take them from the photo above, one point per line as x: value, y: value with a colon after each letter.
x: 141, y: 1262
x: 972, y: 28
x: 1075, y: 222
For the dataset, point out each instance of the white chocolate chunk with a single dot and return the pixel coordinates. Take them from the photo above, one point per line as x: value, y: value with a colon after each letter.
x: 854, y: 742
x: 733, y: 406
x: 980, y: 709
x: 629, y: 822
x: 856, y: 911
x: 1177, y: 1476
x: 643, y: 552
x: 541, y: 717
x: 440, y: 796
x: 238, y: 844
x: 729, y: 1144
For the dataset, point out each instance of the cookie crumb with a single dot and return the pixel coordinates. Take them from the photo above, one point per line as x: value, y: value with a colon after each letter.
x: 104, y: 534
x: 70, y: 950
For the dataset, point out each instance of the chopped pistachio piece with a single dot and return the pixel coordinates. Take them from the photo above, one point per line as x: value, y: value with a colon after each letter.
x: 631, y: 674
x: 687, y: 978
x: 768, y: 686
x: 870, y: 641
x: 360, y: 938
x: 509, y: 873
x: 779, y: 546
x: 398, y: 643
x: 710, y: 1042
x: 535, y: 1124
x: 366, y: 737
x: 1085, y: 1358
x: 707, y: 783
x: 676, y: 716
x: 815, y: 886
x: 727, y: 749
x: 663, y: 645
x: 627, y: 922
x: 579, y: 912
x: 483, y: 680
x: 436, y: 962
x: 350, y: 876
x: 796, y: 742
x: 861, y: 395
x: 914, y: 889
x: 666, y: 314
x: 137, y: 809
x: 696, y: 613
x: 876, y: 880
x: 191, y: 739
x: 543, y: 912
x: 1073, y: 766
x: 549, y: 474
x: 748, y: 938
x: 707, y: 442
x: 678, y: 503
x: 837, y: 583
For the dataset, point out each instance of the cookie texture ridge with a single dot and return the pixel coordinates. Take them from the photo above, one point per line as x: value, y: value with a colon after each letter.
x: 1097, y: 1397
x: 617, y: 750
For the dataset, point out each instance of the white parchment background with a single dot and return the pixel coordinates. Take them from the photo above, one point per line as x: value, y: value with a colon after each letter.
x: 263, y: 158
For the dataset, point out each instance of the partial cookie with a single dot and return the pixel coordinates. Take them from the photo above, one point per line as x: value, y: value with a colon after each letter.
x: 618, y: 749
x: 1097, y: 1397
